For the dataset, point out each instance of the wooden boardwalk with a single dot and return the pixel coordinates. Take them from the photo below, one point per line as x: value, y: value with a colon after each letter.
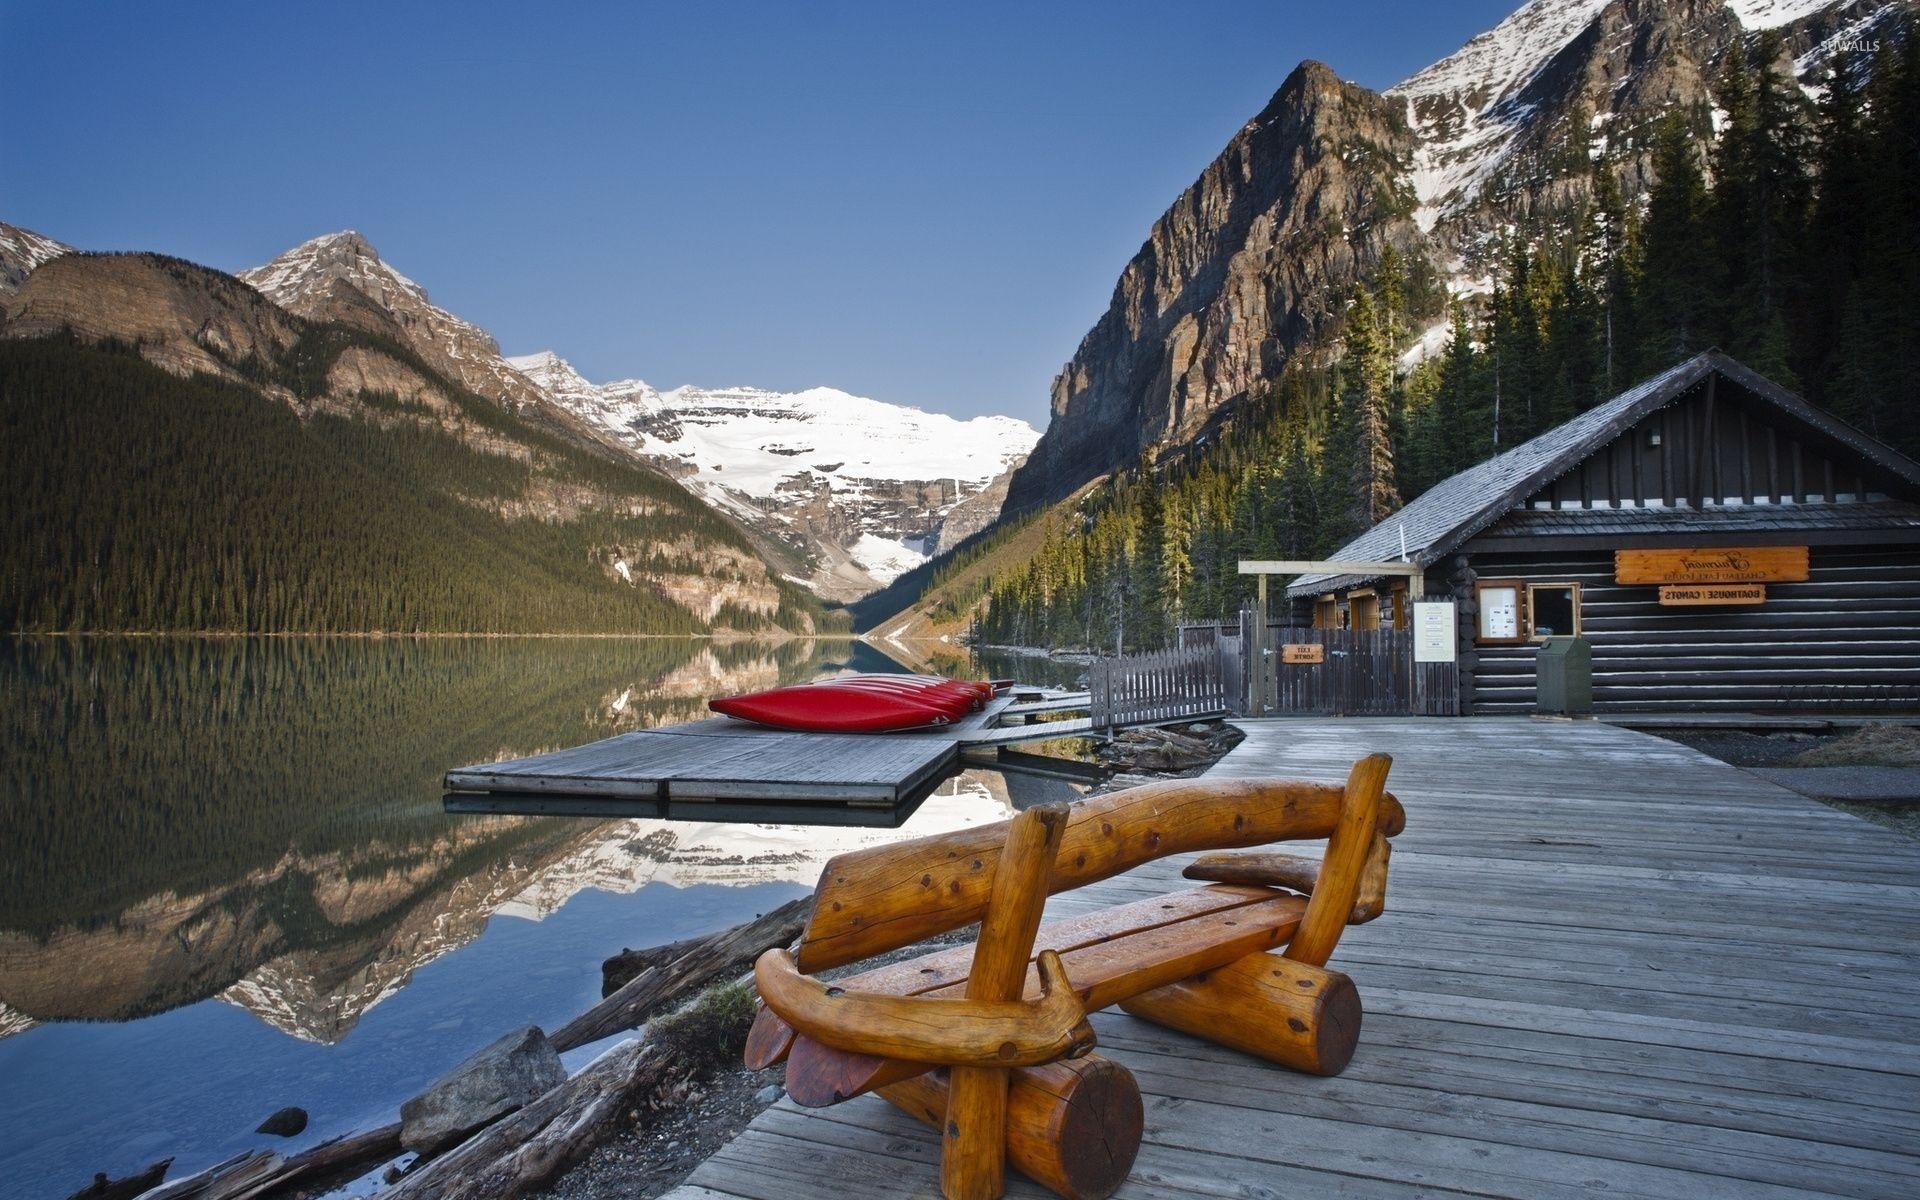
x: 1609, y: 966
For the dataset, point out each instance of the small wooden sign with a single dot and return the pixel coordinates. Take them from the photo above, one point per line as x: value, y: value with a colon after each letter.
x: 1303, y: 653
x: 1717, y: 564
x: 1683, y: 594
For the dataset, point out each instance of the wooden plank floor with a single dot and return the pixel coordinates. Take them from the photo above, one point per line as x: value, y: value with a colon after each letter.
x: 1609, y: 966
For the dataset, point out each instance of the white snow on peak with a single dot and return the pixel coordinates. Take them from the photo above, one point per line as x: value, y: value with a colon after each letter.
x: 21, y: 251
x: 28, y: 247
x: 308, y: 271
x: 749, y: 449
x: 1771, y: 14
x: 1462, y: 110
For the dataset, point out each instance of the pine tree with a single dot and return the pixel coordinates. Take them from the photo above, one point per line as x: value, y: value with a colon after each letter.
x: 1359, y: 458
x: 1676, y: 267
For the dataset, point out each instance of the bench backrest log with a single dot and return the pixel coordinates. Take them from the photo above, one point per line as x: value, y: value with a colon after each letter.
x: 875, y: 900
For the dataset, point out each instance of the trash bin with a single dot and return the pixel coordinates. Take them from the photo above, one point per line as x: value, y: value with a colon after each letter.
x: 1564, y: 675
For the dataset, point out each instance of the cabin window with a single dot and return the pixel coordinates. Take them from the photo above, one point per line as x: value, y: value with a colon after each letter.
x: 1363, y: 609
x: 1553, y: 610
x: 1326, y: 613
x: 1500, y: 615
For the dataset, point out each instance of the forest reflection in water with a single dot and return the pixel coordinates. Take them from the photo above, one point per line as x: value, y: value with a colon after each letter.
x: 199, y: 828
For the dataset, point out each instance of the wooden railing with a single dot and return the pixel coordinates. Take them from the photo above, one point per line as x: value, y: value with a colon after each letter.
x: 1145, y: 689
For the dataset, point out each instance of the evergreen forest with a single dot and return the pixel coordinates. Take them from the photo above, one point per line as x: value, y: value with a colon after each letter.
x: 140, y: 501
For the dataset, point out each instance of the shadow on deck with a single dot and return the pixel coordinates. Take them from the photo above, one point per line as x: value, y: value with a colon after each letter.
x: 1609, y: 964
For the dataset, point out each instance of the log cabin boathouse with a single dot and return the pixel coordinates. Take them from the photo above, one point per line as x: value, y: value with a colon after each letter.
x: 1720, y: 543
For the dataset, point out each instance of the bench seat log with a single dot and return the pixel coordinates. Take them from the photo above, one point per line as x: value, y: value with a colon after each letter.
x: 1074, y: 1127
x: 770, y: 1038
x: 1303, y: 1017
x: 1264, y: 869
x: 1223, y: 926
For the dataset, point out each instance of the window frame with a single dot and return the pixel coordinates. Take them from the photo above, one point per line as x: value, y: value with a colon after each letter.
x: 1553, y: 586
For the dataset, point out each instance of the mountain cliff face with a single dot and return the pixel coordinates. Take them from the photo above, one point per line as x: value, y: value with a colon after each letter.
x: 862, y: 489
x: 182, y: 317
x: 1250, y: 267
x: 1247, y: 269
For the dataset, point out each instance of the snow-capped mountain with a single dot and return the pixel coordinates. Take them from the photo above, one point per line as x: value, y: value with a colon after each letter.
x: 861, y: 484
x: 1241, y: 276
x: 21, y: 250
x: 341, y: 277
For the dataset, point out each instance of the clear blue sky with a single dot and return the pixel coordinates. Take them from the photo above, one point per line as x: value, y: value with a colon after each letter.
x: 922, y: 203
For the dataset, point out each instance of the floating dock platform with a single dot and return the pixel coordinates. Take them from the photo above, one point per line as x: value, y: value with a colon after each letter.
x: 727, y: 770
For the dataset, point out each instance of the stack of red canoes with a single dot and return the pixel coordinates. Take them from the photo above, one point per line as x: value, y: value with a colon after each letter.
x: 861, y: 703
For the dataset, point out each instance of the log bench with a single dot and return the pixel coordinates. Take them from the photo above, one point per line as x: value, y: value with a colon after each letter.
x: 989, y: 1042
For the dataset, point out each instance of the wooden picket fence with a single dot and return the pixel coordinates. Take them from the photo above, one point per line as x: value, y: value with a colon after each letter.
x: 1146, y: 689
x: 1368, y: 672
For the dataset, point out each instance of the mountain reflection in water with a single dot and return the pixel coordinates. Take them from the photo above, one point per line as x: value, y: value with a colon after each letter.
x: 203, y: 826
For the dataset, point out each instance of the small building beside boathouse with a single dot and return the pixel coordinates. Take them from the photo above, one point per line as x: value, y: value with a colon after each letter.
x: 1722, y: 545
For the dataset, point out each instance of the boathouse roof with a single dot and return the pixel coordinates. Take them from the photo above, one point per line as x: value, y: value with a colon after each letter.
x: 1460, y: 507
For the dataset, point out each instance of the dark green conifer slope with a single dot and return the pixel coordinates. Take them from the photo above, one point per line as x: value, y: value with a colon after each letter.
x: 137, y: 500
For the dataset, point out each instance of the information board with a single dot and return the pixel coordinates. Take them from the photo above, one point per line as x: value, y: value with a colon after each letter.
x: 1434, y: 636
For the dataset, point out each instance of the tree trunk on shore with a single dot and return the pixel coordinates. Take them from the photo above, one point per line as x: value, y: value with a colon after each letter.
x: 724, y: 953
x: 529, y: 1149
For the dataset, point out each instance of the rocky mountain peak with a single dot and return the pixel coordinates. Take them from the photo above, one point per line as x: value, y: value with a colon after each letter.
x: 1247, y: 268
x: 302, y: 280
x: 21, y: 250
x: 341, y: 277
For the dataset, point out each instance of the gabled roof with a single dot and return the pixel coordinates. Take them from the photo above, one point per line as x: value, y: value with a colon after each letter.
x: 1456, y: 509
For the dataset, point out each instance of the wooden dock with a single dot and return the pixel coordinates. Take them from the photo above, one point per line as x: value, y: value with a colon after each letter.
x: 1609, y: 965
x: 727, y: 770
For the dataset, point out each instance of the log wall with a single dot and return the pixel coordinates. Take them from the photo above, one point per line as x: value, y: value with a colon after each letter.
x: 1848, y: 639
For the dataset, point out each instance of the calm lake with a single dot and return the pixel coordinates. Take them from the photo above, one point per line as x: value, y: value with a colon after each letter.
x: 227, y: 885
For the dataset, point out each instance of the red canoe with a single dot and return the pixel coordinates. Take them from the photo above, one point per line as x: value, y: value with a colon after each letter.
x: 858, y: 703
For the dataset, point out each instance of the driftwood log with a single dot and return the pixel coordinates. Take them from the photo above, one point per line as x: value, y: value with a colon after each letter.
x: 531, y: 1148
x: 621, y: 967
x: 103, y: 1188
x: 666, y: 976
x: 263, y: 1173
x: 726, y: 953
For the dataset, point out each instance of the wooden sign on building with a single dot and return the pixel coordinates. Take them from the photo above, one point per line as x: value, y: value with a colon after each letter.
x: 1716, y: 564
x: 1688, y: 594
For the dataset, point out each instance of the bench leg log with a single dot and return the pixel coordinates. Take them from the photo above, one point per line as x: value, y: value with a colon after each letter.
x: 1287, y: 1012
x: 1072, y: 1126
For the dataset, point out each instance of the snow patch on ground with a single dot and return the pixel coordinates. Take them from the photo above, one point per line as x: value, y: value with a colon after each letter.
x: 1461, y: 107
x: 1771, y: 14
x: 885, y: 560
x: 1432, y: 340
